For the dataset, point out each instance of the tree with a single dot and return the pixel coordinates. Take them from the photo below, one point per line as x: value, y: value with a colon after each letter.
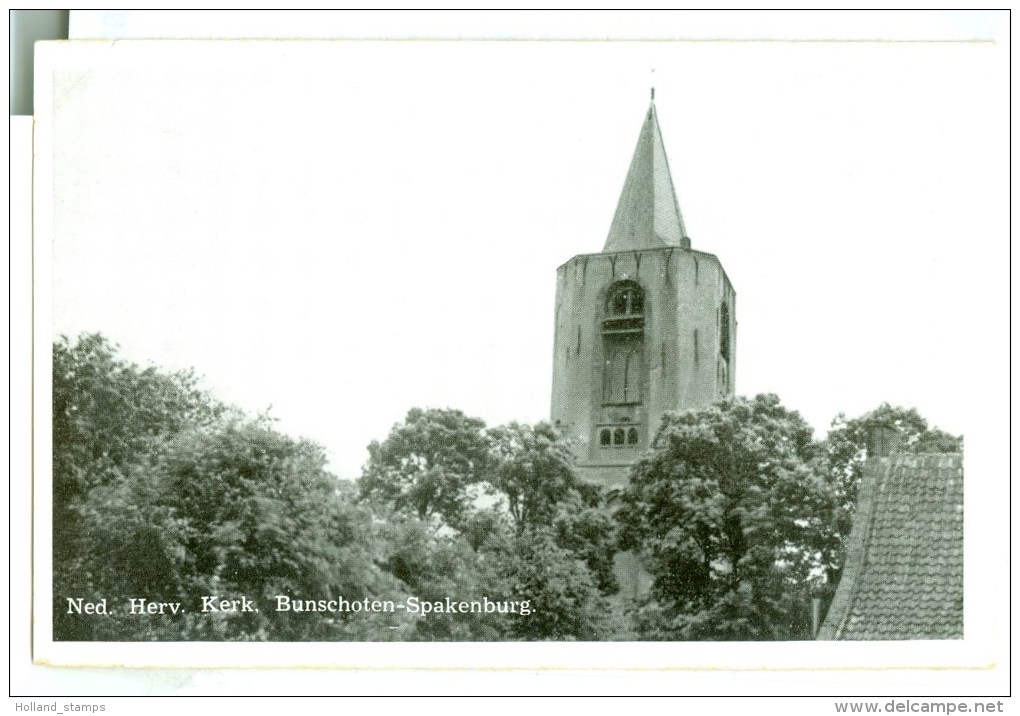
x: 544, y: 542
x: 731, y: 511
x: 107, y: 414
x: 164, y: 493
x: 589, y: 533
x: 435, y: 566
x: 427, y: 463
x: 236, y: 510
x: 564, y: 601
x: 560, y: 556
x: 107, y: 411
x: 533, y: 469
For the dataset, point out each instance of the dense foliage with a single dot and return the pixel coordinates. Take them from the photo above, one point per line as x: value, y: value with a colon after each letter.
x: 107, y: 415
x: 162, y: 493
x: 530, y: 532
x: 238, y: 510
x: 427, y: 464
x: 730, y: 513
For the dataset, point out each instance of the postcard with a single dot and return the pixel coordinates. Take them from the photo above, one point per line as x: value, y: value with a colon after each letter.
x: 521, y: 354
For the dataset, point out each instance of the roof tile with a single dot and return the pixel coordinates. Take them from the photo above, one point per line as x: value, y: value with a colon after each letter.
x: 903, y: 576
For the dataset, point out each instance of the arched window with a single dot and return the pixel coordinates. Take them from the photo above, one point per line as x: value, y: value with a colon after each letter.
x: 632, y: 436
x: 618, y: 436
x: 605, y: 438
x: 625, y: 299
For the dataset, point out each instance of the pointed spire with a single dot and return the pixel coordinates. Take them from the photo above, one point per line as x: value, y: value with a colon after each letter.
x: 648, y: 215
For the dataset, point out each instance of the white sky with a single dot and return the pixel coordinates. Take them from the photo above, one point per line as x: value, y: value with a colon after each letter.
x: 346, y: 230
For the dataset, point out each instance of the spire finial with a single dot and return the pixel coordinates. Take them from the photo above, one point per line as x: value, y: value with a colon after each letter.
x: 653, y: 94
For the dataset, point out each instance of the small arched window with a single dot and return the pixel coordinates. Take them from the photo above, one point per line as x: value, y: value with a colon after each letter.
x: 632, y: 436
x: 618, y: 436
x: 605, y: 438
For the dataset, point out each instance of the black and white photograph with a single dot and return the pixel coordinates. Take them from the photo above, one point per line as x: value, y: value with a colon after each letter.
x: 518, y: 353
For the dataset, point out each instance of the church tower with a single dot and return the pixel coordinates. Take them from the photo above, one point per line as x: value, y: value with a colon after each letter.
x: 645, y: 327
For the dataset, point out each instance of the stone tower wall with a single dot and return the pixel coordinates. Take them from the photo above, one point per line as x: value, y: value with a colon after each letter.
x: 681, y: 366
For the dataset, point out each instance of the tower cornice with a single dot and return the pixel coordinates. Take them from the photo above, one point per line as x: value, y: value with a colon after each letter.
x: 650, y: 249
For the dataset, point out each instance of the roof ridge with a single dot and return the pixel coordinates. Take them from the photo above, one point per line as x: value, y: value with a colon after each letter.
x: 855, y: 561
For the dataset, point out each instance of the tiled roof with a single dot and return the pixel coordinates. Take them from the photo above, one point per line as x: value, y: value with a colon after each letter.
x: 903, y: 575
